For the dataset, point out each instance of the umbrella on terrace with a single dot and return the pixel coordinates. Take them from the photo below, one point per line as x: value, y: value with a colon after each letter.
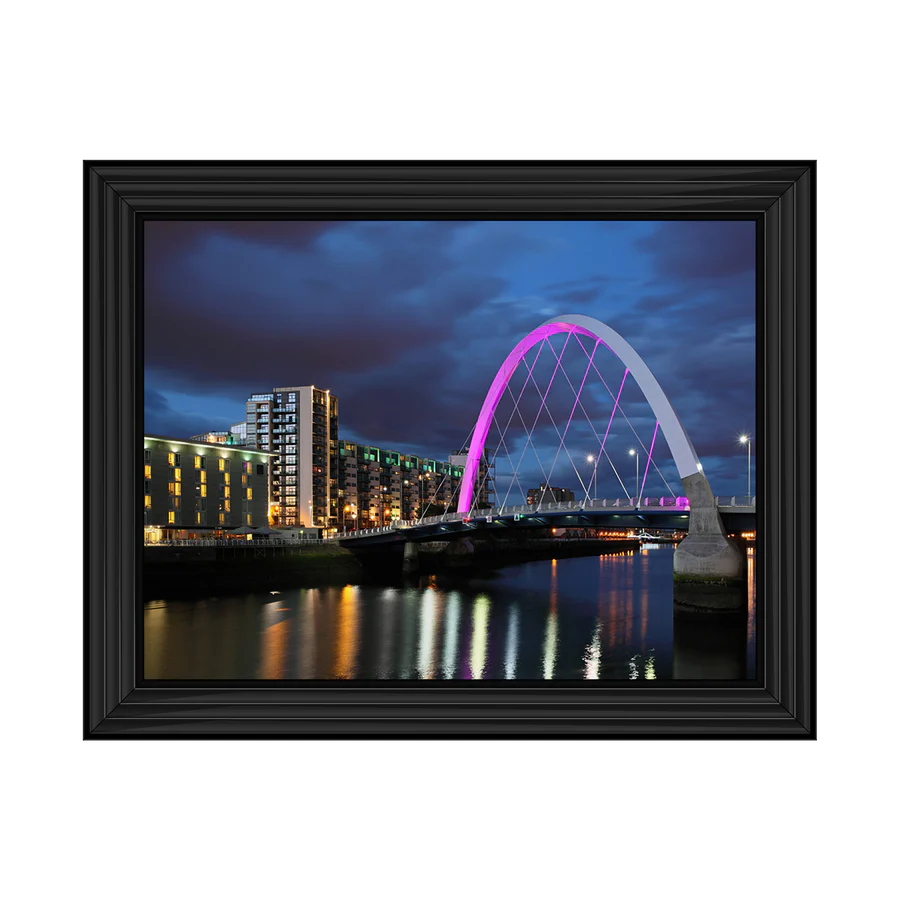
x: 244, y: 529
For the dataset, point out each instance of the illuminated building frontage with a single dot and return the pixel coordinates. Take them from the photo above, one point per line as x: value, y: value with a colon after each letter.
x: 376, y: 486
x: 195, y: 488
x: 299, y: 425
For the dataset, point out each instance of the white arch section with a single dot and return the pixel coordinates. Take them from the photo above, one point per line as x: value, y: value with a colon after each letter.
x: 680, y: 445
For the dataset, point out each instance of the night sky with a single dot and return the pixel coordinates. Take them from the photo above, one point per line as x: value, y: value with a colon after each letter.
x: 408, y: 322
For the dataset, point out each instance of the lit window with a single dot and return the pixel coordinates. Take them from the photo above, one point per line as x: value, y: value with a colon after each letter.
x: 227, y: 491
x: 171, y: 459
x: 177, y: 474
x: 244, y: 480
x: 198, y: 518
x: 146, y: 471
x: 146, y: 501
x: 177, y: 488
x: 171, y: 518
x: 249, y: 493
x: 202, y: 490
x: 248, y: 518
x: 227, y: 478
x: 203, y: 478
x: 196, y: 462
x: 221, y: 518
x: 227, y: 506
x: 171, y: 487
x: 221, y: 465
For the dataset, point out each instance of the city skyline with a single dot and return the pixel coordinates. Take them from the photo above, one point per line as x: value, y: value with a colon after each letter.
x: 407, y: 322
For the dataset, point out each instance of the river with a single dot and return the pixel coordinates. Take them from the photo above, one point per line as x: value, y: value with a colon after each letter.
x: 607, y: 617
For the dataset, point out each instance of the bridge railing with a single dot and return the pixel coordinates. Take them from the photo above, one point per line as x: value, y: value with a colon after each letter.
x: 626, y: 504
x: 219, y: 542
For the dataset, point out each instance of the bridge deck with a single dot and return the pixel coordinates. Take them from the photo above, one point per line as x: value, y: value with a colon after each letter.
x: 671, y: 513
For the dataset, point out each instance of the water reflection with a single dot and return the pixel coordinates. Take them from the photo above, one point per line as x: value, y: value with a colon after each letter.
x: 590, y: 619
x: 478, y: 653
x: 451, y: 635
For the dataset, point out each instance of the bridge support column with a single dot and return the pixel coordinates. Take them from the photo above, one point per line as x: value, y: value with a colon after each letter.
x: 410, y: 558
x: 706, y: 557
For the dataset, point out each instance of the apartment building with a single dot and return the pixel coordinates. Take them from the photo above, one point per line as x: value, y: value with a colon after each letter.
x: 376, y: 485
x: 194, y: 488
x: 300, y: 426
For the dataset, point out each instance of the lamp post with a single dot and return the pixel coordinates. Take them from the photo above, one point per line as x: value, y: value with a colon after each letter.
x: 406, y: 482
x: 745, y: 439
x: 591, y: 459
x: 636, y: 455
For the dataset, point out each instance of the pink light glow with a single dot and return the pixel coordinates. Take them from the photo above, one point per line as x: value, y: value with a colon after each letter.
x: 498, y: 386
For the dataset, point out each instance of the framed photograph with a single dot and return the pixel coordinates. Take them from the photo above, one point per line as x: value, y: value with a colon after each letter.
x: 449, y: 450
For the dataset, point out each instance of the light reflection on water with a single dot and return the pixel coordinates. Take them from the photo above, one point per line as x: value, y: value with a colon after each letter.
x: 592, y: 618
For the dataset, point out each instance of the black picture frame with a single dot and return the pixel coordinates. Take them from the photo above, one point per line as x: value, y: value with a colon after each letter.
x: 120, y: 196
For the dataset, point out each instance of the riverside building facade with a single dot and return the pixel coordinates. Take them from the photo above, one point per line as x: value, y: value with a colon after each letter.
x: 376, y: 486
x: 196, y: 488
x: 299, y: 425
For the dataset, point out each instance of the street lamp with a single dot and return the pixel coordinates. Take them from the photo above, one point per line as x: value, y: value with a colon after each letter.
x: 636, y: 456
x: 406, y: 482
x: 591, y: 459
x: 745, y: 439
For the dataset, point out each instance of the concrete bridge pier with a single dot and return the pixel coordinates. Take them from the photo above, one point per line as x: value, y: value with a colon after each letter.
x: 706, y: 557
x: 410, y: 558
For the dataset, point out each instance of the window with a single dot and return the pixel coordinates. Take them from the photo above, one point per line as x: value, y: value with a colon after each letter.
x: 244, y: 480
x: 147, y: 454
x: 227, y: 492
x: 249, y: 493
x: 171, y: 517
x: 260, y: 469
x: 247, y: 468
x: 222, y: 465
x: 221, y: 518
x: 177, y: 488
x: 248, y: 518
x: 202, y: 490
x: 146, y: 501
x: 228, y: 478
x: 171, y: 459
x: 197, y: 462
x: 202, y: 477
x: 227, y: 506
x: 146, y: 487
x: 171, y: 488
x: 177, y: 474
x: 198, y: 517
x: 147, y: 471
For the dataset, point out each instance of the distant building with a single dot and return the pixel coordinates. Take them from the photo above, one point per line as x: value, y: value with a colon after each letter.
x: 547, y: 494
x: 213, y: 437
x: 376, y: 485
x: 195, y: 488
x: 239, y: 433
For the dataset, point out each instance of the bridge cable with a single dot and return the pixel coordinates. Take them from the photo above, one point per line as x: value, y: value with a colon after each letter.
x: 624, y: 414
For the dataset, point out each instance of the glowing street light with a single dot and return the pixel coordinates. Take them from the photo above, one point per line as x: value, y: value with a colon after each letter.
x: 636, y: 456
x: 745, y: 439
x: 592, y: 459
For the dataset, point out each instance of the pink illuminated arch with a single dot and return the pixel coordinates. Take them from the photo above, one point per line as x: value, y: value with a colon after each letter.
x: 676, y: 437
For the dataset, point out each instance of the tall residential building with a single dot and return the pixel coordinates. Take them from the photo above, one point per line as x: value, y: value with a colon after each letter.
x: 198, y: 488
x: 300, y: 425
x: 377, y: 485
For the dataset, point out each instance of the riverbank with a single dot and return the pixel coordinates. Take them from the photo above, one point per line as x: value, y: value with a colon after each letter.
x: 245, y: 567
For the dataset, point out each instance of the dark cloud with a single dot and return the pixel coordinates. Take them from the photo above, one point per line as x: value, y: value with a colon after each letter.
x: 407, y: 323
x: 701, y: 249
